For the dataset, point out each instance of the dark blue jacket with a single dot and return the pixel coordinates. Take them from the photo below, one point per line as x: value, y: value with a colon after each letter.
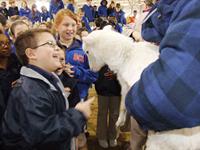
x: 25, y: 12
x: 35, y: 17
x: 102, y: 11
x: 70, y: 6
x: 167, y: 95
x: 118, y: 28
x: 120, y: 16
x: 55, y: 7
x: 71, y: 83
x: 107, y: 85
x: 13, y: 11
x: 5, y: 89
x: 157, y: 21
x: 86, y: 23
x: 45, y: 16
x: 89, y: 12
x: 111, y: 11
x: 77, y: 58
x: 37, y: 118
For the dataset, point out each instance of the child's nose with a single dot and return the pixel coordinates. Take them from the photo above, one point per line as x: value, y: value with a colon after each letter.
x: 5, y: 45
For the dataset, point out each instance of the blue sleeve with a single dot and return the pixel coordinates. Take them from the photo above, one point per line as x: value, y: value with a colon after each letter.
x: 167, y: 95
x: 100, y: 12
x: 70, y: 7
x: 85, y: 75
x: 21, y: 12
x: 61, y: 5
x: 87, y: 25
x: 123, y: 18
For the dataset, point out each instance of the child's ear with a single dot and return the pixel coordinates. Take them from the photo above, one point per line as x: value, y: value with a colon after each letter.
x: 30, y: 53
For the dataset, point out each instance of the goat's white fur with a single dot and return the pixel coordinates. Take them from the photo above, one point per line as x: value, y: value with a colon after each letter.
x: 126, y: 58
x: 174, y: 141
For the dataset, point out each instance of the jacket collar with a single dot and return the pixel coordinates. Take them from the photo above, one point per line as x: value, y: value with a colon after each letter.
x: 28, y: 72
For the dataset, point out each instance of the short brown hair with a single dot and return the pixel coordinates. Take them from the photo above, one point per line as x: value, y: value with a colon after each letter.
x: 14, y: 24
x: 61, y: 14
x: 27, y: 39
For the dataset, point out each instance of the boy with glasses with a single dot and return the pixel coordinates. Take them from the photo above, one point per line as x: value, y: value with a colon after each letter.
x: 36, y: 116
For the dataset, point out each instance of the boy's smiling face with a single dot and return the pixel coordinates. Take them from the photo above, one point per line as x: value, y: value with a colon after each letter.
x: 46, y: 53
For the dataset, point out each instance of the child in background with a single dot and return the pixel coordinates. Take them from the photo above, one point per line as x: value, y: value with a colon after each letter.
x: 65, y: 24
x: 69, y: 83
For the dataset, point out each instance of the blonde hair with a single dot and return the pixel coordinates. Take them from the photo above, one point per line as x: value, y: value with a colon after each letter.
x: 60, y: 16
x: 11, y: 1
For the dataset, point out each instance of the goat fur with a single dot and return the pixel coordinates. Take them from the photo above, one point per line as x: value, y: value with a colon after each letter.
x: 126, y: 58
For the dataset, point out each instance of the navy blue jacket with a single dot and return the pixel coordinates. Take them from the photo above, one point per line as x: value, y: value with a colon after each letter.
x: 5, y: 89
x: 37, y: 118
x: 102, y: 11
x: 107, y: 85
x: 13, y: 11
x: 55, y: 7
x: 45, y: 16
x: 157, y: 21
x: 25, y: 12
x: 70, y: 6
x: 167, y: 95
x: 35, y: 17
x: 89, y: 12
x: 78, y: 58
x: 111, y: 11
x: 71, y: 83
x: 85, y: 21
x: 120, y: 16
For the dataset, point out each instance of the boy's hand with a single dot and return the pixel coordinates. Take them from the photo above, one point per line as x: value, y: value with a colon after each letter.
x: 68, y: 70
x: 67, y: 89
x: 84, y: 107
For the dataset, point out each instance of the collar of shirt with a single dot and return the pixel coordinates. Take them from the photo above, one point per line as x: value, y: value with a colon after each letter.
x: 49, y: 76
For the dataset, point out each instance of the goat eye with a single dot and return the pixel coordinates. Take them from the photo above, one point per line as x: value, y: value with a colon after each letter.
x: 87, y: 52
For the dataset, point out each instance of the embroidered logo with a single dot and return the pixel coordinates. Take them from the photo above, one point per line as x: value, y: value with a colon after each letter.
x: 78, y: 58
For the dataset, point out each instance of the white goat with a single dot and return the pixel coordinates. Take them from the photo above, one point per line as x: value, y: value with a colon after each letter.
x: 126, y: 58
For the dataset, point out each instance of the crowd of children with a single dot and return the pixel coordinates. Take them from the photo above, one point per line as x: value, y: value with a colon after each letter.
x: 45, y: 110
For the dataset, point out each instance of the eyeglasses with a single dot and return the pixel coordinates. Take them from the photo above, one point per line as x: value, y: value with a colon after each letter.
x: 50, y: 43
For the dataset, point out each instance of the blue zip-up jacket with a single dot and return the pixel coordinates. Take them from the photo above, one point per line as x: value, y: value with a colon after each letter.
x: 118, y: 28
x: 44, y: 121
x: 70, y: 6
x: 45, y: 16
x: 55, y: 7
x: 86, y: 23
x: 102, y: 11
x: 36, y: 17
x: 89, y: 12
x: 153, y: 30
x: 120, y: 16
x: 167, y: 95
x: 77, y: 58
x: 13, y: 11
x: 25, y: 12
